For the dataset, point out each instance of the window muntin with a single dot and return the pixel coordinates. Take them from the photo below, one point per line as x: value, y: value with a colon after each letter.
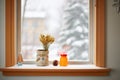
x: 49, y: 18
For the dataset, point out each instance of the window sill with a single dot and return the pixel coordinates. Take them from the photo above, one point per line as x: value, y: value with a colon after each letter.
x: 71, y: 70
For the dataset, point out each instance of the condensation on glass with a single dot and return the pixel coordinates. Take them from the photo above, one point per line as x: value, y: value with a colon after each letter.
x: 66, y: 20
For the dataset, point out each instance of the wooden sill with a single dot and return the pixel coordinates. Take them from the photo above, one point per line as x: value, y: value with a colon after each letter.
x: 71, y: 70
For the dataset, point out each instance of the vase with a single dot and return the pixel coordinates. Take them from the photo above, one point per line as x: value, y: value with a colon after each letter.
x: 42, y: 58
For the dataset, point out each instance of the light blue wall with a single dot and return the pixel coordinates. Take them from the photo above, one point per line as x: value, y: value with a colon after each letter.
x: 112, y: 48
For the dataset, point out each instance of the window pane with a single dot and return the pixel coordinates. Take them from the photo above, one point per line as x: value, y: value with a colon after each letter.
x: 66, y: 20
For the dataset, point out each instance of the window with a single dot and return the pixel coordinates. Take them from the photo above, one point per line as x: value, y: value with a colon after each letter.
x: 67, y: 21
x: 99, y: 48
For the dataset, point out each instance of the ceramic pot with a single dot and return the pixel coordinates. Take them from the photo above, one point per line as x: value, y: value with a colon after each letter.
x: 42, y: 58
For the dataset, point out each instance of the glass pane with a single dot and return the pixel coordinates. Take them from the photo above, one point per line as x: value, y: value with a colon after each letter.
x: 66, y: 20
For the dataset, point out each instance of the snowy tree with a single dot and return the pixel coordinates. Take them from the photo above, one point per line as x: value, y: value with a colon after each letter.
x: 74, y: 34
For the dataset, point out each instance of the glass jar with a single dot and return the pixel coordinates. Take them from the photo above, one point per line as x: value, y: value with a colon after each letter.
x: 63, y: 60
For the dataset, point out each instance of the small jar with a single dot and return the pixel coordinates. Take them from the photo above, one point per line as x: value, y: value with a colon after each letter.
x: 63, y: 60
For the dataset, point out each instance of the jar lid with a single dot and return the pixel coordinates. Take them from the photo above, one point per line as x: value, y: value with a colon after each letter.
x: 63, y: 54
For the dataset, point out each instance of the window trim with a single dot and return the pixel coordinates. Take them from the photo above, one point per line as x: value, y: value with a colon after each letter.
x: 10, y: 33
x: 54, y: 71
x: 99, y: 58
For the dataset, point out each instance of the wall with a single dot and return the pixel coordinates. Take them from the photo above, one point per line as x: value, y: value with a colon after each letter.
x: 2, y: 34
x: 112, y: 48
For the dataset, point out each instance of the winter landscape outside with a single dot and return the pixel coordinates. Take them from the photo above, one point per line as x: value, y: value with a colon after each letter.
x: 66, y: 20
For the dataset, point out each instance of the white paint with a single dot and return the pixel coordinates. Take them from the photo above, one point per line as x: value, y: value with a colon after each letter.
x: 29, y: 66
x: 112, y: 48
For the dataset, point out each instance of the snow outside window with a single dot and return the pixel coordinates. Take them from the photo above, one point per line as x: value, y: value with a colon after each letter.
x: 66, y: 20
